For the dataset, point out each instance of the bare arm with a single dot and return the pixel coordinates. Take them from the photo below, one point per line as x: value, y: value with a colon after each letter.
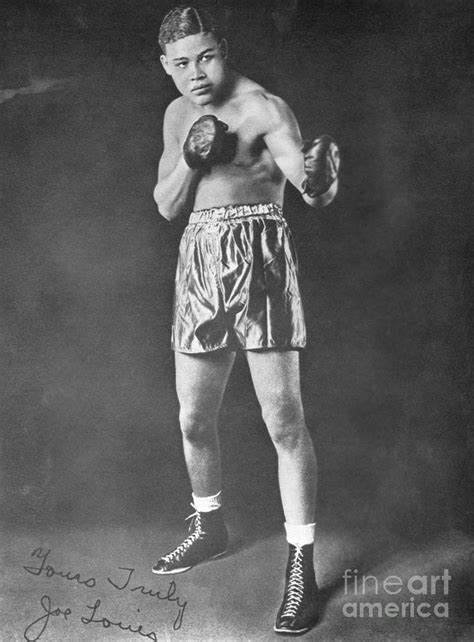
x: 283, y: 139
x: 176, y: 181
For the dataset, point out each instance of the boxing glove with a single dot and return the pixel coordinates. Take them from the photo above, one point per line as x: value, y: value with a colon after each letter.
x: 321, y: 165
x: 207, y: 143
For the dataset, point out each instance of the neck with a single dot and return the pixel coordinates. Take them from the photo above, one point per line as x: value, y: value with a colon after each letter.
x: 226, y: 91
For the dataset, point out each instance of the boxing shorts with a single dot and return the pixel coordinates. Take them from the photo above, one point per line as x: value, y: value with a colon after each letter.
x: 236, y: 282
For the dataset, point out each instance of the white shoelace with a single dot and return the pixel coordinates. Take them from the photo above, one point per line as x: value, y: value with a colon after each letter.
x: 295, y: 585
x: 184, y: 546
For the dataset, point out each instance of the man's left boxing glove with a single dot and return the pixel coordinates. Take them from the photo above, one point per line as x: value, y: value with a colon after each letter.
x: 321, y: 165
x: 207, y: 144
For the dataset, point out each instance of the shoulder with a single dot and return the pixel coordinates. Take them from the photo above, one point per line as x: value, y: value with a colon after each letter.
x: 270, y: 110
x: 274, y: 106
x: 175, y: 115
x: 175, y: 110
x: 259, y: 99
x: 176, y: 121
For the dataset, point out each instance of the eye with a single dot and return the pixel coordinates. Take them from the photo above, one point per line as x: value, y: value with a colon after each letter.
x: 181, y: 64
x: 206, y: 57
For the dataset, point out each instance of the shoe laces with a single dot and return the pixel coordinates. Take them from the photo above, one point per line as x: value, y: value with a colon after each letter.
x: 295, y: 587
x: 195, y: 527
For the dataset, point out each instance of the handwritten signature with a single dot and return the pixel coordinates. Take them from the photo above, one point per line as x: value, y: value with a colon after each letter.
x: 50, y: 571
x: 169, y: 595
x: 36, y: 629
x: 106, y: 623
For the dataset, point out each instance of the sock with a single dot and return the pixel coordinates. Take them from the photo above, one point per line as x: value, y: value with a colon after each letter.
x: 300, y: 534
x: 206, y: 504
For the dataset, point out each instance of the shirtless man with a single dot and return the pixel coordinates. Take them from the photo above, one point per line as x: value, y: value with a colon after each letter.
x: 229, y: 147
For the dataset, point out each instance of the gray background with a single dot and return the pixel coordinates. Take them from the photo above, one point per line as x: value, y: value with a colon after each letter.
x: 88, y: 410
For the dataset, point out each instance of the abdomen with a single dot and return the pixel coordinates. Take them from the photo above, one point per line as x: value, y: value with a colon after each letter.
x: 241, y: 182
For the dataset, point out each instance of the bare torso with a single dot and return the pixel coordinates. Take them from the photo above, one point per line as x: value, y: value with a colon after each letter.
x: 253, y: 175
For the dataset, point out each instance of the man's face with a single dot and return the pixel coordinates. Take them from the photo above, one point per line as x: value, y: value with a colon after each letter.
x: 197, y: 65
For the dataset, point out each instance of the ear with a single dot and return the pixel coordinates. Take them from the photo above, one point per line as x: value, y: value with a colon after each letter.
x: 164, y: 62
x: 223, y: 48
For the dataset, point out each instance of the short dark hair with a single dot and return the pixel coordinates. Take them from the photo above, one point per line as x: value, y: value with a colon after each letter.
x: 186, y: 20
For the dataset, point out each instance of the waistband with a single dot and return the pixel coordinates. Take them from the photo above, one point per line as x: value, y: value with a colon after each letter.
x: 227, y: 212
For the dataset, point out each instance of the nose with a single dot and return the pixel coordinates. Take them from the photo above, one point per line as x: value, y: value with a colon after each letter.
x: 196, y: 72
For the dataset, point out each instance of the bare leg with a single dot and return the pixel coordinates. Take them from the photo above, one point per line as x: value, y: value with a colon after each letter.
x: 200, y: 384
x: 276, y: 379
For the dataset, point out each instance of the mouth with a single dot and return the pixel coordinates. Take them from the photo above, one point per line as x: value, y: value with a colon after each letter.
x: 201, y: 89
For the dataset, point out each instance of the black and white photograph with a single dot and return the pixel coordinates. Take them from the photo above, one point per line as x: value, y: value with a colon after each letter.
x: 236, y: 320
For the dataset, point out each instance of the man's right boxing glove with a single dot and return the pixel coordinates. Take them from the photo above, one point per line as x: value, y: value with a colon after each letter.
x: 208, y: 144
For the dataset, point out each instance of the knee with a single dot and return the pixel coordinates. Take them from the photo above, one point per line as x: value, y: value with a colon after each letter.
x: 285, y: 423
x: 195, y: 426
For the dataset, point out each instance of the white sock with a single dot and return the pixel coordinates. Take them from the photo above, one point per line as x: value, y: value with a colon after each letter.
x: 206, y: 504
x: 300, y: 534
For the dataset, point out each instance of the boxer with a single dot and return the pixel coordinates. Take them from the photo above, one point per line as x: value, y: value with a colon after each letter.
x: 229, y: 148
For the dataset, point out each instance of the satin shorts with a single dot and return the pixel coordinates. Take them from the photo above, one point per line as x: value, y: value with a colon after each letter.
x: 236, y: 282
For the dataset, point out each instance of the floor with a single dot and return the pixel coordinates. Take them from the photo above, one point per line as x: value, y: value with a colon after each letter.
x: 93, y: 485
x: 96, y: 584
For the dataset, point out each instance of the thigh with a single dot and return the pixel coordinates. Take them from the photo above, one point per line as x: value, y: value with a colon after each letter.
x: 276, y: 379
x: 201, y: 380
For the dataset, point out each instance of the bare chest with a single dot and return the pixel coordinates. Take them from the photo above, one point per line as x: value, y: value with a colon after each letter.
x: 247, y: 133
